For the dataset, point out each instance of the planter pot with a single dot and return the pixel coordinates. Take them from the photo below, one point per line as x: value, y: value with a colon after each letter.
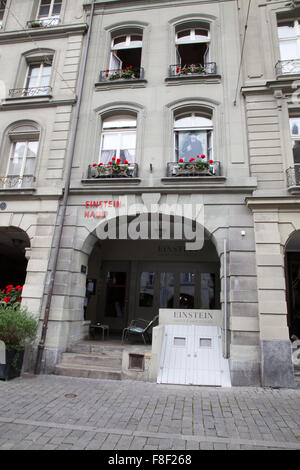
x: 13, y: 366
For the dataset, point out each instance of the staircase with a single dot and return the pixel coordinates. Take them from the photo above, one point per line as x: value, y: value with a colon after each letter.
x: 91, y: 360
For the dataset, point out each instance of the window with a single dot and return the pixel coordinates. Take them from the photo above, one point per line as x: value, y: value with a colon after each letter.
x: 23, y: 149
x: 2, y: 11
x: 192, y: 45
x: 126, y: 53
x: 193, y: 136
x: 38, y: 78
x: 289, y: 45
x: 49, y: 11
x: 118, y: 139
x: 295, y: 135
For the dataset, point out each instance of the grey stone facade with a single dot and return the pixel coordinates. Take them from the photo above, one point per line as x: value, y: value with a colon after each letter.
x: 248, y: 203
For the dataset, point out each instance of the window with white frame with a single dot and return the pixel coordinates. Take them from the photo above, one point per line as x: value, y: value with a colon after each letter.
x: 193, y: 136
x: 118, y: 139
x: 24, y: 144
x: 289, y: 45
x: 38, y: 78
x: 2, y: 11
x: 295, y: 137
x: 126, y: 53
x: 192, y: 45
x: 49, y: 11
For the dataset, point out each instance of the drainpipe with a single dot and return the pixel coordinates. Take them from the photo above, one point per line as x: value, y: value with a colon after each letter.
x: 225, y: 298
x: 63, y: 207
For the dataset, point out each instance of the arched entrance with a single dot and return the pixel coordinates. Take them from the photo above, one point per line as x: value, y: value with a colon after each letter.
x: 13, y: 263
x: 129, y: 279
x: 292, y: 267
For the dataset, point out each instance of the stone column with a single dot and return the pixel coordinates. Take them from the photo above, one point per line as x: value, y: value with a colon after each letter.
x: 276, y: 360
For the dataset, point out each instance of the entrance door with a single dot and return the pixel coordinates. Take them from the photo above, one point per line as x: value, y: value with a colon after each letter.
x: 293, y: 290
x: 192, y: 355
x: 174, y: 285
x: 114, y: 305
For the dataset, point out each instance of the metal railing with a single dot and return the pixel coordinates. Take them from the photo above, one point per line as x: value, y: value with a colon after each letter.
x: 284, y: 67
x: 178, y: 70
x: 44, y: 22
x: 293, y: 175
x: 16, y: 182
x: 129, y: 73
x: 192, y: 169
x: 121, y: 170
x: 27, y: 92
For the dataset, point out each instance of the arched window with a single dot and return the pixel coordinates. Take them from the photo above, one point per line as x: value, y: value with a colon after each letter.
x: 126, y: 52
x: 118, y: 138
x: 192, y: 44
x: 22, y: 146
x: 193, y: 136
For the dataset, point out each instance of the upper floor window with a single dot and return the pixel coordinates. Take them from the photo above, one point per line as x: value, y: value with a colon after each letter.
x: 295, y: 136
x: 289, y: 45
x: 193, y: 136
x: 2, y: 11
x: 23, y: 144
x: 49, y: 11
x: 38, y: 78
x: 118, y: 139
x: 126, y: 54
x: 192, y: 45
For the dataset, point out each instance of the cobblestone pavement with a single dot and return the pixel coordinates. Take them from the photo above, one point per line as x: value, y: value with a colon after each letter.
x: 37, y: 413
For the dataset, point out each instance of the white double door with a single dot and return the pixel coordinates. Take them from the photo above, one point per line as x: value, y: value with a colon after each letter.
x: 192, y: 355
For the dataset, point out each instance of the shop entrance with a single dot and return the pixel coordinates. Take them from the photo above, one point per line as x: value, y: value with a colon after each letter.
x: 131, y: 289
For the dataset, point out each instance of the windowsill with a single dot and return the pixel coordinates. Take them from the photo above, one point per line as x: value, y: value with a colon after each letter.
x: 212, y: 78
x: 18, y: 190
x: 27, y: 98
x: 113, y: 181
x: 121, y: 83
x: 197, y: 179
x: 59, y: 30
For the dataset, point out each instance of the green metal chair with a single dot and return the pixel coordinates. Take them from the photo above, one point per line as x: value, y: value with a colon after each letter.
x: 139, y: 327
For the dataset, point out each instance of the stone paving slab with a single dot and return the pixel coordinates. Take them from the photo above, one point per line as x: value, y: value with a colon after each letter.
x: 51, y: 412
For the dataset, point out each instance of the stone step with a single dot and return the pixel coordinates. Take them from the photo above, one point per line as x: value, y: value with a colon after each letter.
x: 96, y: 347
x: 107, y: 359
x: 87, y: 371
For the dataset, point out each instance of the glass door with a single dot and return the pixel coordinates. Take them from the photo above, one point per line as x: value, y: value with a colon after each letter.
x: 114, y: 302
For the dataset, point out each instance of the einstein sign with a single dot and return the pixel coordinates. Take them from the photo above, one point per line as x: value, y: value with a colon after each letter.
x: 169, y: 316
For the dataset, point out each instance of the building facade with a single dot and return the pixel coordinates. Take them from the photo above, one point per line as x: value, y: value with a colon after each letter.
x: 187, y: 127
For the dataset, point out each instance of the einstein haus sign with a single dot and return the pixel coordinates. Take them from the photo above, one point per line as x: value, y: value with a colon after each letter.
x: 171, y: 316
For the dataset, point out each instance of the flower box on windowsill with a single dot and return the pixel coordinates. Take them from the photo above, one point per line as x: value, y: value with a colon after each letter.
x: 112, y: 170
x: 195, y: 167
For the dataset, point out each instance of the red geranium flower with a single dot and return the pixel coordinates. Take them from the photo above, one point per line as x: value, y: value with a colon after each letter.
x: 126, y: 162
x: 109, y: 163
x: 107, y: 70
x: 192, y: 159
x: 180, y: 160
x: 203, y: 156
x: 6, y: 299
x: 113, y: 158
x: 211, y: 161
x: 100, y: 164
x: 94, y: 164
x: 119, y: 160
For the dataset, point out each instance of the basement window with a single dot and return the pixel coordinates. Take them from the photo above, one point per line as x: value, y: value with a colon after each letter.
x: 136, y: 362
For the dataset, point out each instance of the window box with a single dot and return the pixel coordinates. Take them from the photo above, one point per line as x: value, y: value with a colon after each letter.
x: 197, y: 168
x: 178, y: 70
x: 112, y: 170
x: 44, y: 22
x: 17, y: 182
x: 129, y: 73
x: 287, y: 67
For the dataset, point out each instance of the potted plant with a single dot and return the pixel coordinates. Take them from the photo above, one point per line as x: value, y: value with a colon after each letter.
x: 17, y: 328
x: 114, y: 169
x: 36, y: 24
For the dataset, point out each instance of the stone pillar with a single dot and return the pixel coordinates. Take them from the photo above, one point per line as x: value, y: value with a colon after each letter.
x: 276, y: 358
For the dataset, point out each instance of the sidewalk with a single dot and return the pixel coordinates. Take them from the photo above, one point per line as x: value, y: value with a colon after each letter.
x: 55, y: 412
